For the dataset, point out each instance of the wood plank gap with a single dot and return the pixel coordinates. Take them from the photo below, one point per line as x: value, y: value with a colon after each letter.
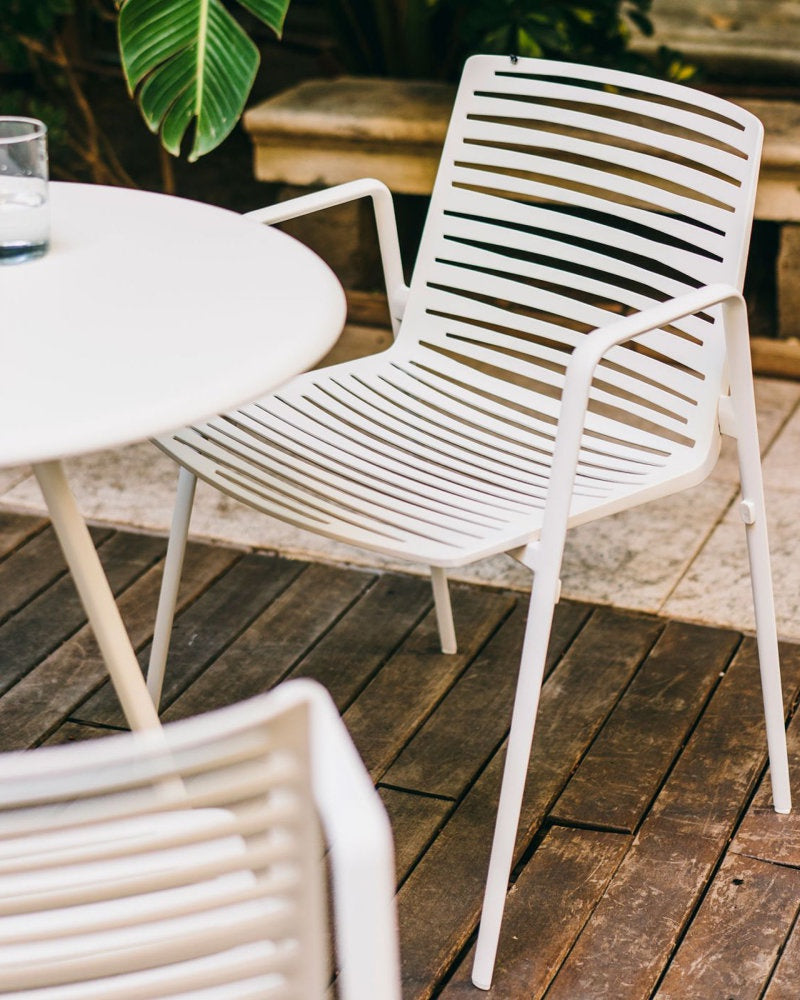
x: 416, y: 822
x: 760, y: 792
x: 703, y: 892
x: 761, y: 832
x: 549, y: 905
x: 419, y: 675
x: 366, y: 679
x: 413, y: 791
x: 454, y: 674
x: 575, y: 824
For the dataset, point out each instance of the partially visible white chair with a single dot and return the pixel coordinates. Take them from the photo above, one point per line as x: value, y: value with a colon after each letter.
x: 187, y: 862
x: 573, y: 344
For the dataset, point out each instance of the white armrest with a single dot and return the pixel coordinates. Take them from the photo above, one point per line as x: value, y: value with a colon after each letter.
x: 359, y: 836
x: 578, y: 383
x: 396, y: 288
x: 595, y: 345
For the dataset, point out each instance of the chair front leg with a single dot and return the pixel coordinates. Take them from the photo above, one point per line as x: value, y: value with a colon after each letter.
x: 544, y: 596
x: 170, y: 582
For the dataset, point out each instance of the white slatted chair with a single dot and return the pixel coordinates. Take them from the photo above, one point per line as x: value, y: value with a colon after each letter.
x: 573, y: 343
x: 186, y: 862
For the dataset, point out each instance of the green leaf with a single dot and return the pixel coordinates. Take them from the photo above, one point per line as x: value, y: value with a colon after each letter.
x: 271, y: 12
x: 191, y: 61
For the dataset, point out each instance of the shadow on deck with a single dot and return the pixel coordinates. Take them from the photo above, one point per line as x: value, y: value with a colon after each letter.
x: 649, y: 864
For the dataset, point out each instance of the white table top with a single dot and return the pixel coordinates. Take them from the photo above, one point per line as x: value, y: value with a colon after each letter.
x: 147, y: 314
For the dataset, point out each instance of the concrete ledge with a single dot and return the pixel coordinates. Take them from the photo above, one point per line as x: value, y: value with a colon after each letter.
x: 732, y: 39
x: 325, y: 132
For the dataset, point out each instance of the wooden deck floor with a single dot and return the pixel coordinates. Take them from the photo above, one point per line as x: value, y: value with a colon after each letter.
x: 649, y: 864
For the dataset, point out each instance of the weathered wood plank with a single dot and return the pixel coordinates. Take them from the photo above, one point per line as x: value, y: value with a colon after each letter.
x: 55, y: 688
x: 632, y: 933
x: 765, y: 834
x: 445, y: 755
x: 734, y: 941
x: 271, y: 645
x: 415, y: 820
x: 32, y: 568
x: 16, y: 529
x: 627, y: 762
x: 783, y: 985
x: 445, y: 890
x: 56, y: 613
x: 418, y: 676
x: 205, y: 629
x: 346, y: 658
x: 545, y: 911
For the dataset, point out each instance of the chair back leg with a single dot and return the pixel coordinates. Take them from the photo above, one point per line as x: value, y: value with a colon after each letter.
x: 170, y: 582
x: 444, y: 610
x: 768, y: 659
x: 544, y: 595
x: 754, y: 517
x: 753, y: 514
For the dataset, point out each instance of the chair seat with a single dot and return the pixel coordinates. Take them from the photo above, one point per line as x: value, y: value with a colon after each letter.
x: 381, y: 453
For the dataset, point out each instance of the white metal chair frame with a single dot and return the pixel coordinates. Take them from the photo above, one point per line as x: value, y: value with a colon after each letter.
x: 186, y: 862
x: 573, y: 343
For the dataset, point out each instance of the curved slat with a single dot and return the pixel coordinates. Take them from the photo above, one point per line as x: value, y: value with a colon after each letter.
x: 709, y: 202
x: 724, y: 122
x: 517, y: 464
x: 592, y: 199
x: 596, y: 147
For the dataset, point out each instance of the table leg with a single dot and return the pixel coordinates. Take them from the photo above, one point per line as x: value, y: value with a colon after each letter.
x: 98, y: 601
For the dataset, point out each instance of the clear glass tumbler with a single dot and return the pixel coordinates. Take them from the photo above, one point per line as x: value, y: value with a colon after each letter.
x: 24, y: 207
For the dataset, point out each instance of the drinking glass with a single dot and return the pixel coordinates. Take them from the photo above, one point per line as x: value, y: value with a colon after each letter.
x: 24, y: 208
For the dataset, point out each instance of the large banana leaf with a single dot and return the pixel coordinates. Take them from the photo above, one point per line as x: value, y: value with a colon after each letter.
x: 190, y: 60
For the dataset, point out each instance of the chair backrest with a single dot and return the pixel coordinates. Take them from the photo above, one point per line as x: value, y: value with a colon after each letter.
x: 566, y: 196
x: 186, y: 862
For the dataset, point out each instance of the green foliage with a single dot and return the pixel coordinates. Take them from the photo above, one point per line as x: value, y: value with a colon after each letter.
x: 28, y: 30
x: 400, y: 39
x: 49, y: 72
x: 191, y: 61
x: 28, y: 19
x: 432, y: 38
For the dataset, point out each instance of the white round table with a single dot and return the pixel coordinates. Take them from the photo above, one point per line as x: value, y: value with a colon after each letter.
x: 148, y: 313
